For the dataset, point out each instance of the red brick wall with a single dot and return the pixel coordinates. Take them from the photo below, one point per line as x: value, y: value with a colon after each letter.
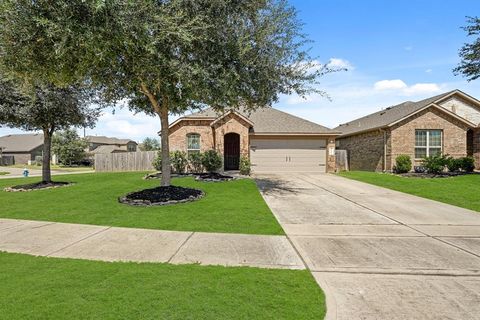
x: 178, y: 134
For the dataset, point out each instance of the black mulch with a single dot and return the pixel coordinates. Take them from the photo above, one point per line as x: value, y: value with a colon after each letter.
x: 38, y: 186
x: 435, y: 175
x: 213, y: 176
x: 161, y: 195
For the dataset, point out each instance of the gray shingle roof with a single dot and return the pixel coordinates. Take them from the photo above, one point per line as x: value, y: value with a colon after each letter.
x: 21, y: 142
x: 107, y: 149
x: 107, y: 140
x: 269, y: 120
x: 387, y: 116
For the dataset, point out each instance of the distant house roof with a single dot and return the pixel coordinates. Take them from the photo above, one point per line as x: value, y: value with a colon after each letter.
x: 21, y: 142
x: 390, y: 115
x: 108, y: 140
x: 267, y: 120
x: 107, y: 149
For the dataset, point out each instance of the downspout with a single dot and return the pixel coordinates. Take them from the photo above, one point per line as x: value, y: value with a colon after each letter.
x: 384, y: 149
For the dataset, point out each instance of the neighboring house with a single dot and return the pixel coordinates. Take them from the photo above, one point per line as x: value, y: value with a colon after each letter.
x: 21, y: 147
x: 445, y: 124
x: 102, y: 144
x: 274, y: 141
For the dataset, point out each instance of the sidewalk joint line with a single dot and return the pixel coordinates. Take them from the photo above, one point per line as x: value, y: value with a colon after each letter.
x: 78, y: 241
x: 180, y: 247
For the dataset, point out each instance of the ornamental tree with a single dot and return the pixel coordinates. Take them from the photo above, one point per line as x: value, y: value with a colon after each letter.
x: 69, y: 147
x: 163, y: 57
x: 470, y: 52
x: 46, y: 108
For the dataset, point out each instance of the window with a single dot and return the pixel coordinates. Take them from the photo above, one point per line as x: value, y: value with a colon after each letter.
x: 131, y: 148
x: 428, y: 143
x: 193, y: 143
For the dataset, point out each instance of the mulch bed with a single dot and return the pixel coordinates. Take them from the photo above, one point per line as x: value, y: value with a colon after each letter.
x: 213, y: 177
x: 161, y: 196
x: 37, y: 186
x: 435, y: 175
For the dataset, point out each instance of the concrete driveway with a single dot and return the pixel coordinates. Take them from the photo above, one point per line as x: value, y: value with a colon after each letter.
x: 378, y: 253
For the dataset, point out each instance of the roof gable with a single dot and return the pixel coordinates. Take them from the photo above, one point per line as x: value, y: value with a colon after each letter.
x: 266, y: 120
x: 392, y: 115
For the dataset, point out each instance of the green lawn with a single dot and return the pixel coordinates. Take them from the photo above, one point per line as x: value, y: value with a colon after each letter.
x: 50, y: 288
x: 461, y: 191
x: 233, y: 206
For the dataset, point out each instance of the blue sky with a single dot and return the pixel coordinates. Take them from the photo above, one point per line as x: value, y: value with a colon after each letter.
x: 394, y: 50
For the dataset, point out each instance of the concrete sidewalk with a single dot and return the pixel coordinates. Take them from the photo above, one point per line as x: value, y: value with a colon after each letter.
x: 379, y: 253
x: 91, y: 242
x: 18, y: 172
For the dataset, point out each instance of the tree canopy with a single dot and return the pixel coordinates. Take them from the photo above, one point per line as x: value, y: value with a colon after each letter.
x: 46, y: 108
x: 470, y: 52
x: 69, y: 147
x: 163, y: 57
x: 150, y: 144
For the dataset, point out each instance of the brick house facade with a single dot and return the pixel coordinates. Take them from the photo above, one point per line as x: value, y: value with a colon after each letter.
x: 451, y: 119
x: 281, y: 142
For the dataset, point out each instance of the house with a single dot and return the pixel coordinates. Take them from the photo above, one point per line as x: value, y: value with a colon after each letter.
x: 102, y: 144
x: 444, y: 124
x: 21, y: 148
x: 274, y: 141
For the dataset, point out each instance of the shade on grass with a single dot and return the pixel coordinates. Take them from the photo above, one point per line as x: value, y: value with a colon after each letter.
x: 232, y: 207
x: 51, y: 288
x: 461, y: 191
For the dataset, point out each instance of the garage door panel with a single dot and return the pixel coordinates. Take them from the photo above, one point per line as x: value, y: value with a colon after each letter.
x: 288, y: 155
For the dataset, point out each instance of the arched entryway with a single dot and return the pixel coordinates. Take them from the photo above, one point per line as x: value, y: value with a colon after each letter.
x: 231, y: 151
x: 470, y: 142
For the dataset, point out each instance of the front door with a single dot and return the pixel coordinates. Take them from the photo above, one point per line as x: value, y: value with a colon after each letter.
x: 231, y: 151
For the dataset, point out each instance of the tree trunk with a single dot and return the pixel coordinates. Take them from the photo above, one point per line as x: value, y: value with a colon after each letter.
x: 166, y: 168
x: 47, y: 145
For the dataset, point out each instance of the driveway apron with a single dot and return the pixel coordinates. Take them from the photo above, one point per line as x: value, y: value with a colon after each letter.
x: 379, y: 253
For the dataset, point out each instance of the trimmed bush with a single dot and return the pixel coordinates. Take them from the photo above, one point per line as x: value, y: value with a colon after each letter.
x: 245, y: 166
x: 403, y: 164
x: 195, y: 162
x: 211, y: 161
x: 453, y: 164
x: 178, y: 160
x: 467, y: 164
x: 435, y: 164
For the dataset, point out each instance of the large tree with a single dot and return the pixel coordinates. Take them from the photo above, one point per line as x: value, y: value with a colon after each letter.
x: 164, y: 57
x: 46, y: 108
x: 150, y: 144
x: 470, y: 52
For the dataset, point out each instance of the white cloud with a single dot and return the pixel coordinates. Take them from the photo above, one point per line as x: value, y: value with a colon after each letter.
x: 423, y: 88
x: 408, y: 48
x: 337, y: 63
x: 428, y: 71
x: 402, y: 87
x: 389, y: 85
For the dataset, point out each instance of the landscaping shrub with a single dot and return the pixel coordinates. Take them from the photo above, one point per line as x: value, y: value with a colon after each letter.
x: 157, y: 162
x: 454, y: 164
x: 178, y: 160
x: 403, y: 164
x: 211, y: 161
x: 195, y: 162
x: 435, y: 164
x: 245, y: 166
x: 467, y: 164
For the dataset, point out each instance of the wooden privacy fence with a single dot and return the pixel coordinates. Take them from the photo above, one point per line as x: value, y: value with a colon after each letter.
x: 125, y: 161
x: 341, y: 158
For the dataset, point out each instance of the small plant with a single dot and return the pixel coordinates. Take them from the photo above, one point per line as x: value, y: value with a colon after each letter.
x: 403, y: 164
x: 245, y: 166
x: 435, y: 164
x: 454, y: 164
x: 211, y: 161
x: 179, y: 161
x: 467, y: 164
x: 157, y: 162
x: 195, y: 162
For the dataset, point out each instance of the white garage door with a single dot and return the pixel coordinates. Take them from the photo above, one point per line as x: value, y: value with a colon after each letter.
x: 288, y: 155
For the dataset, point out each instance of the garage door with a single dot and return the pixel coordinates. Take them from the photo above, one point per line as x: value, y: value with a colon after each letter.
x: 288, y: 155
